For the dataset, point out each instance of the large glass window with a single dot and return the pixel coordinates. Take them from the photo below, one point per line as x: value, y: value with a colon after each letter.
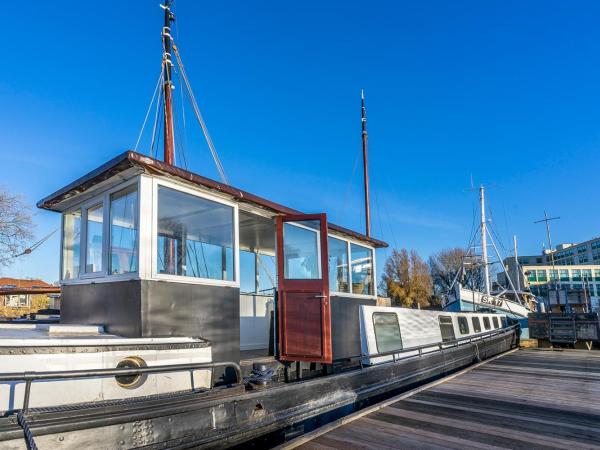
x: 267, y: 274
x: 587, y: 274
x: 387, y: 332
x: 301, y: 250
x: 195, y: 236
x: 541, y: 275
x: 338, y: 265
x: 531, y: 276
x: 94, y: 231
x: 123, y: 231
x: 446, y: 328
x: 564, y: 275
x: 576, y: 274
x: 362, y: 269
x: 596, y: 274
x: 71, y: 245
x: 554, y: 275
x: 247, y: 272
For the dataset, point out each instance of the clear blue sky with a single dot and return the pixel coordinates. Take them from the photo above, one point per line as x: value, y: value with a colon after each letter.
x: 508, y: 91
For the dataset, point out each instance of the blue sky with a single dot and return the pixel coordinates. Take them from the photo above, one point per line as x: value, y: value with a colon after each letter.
x: 506, y: 91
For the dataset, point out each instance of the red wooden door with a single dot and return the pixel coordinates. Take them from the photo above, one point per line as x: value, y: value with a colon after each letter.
x: 304, y: 317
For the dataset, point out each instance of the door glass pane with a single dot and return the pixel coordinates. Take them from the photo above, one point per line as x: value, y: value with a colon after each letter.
x: 71, y: 245
x: 338, y: 265
x: 267, y: 274
x: 247, y: 272
x: 195, y: 236
x: 387, y: 332
x: 123, y: 231
x: 301, y: 251
x: 362, y: 269
x: 93, y: 259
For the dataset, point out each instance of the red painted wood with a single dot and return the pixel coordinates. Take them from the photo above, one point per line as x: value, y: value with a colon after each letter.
x: 304, y: 314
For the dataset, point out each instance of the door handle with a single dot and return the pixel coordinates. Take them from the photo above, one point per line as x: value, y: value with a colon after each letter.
x: 320, y: 296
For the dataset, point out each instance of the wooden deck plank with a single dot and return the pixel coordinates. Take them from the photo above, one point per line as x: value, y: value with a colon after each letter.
x: 526, y: 399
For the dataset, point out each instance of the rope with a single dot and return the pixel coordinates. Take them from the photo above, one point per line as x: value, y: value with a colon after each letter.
x: 149, y: 109
x: 29, y: 440
x: 260, y: 376
x: 199, y: 117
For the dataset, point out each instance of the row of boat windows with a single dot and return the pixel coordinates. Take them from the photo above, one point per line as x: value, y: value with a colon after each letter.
x: 195, y: 238
x: 388, y: 336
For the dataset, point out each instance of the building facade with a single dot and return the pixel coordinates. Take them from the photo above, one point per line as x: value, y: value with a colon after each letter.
x: 20, y: 297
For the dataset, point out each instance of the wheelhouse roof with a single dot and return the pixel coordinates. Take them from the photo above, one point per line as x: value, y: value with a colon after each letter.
x: 145, y: 164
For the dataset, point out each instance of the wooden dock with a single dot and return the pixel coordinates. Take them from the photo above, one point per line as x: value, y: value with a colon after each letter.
x: 523, y: 399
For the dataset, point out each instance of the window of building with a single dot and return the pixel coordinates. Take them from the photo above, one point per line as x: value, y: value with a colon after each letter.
x: 476, y: 325
x: 446, y: 328
x: 587, y: 274
x: 486, y: 323
x: 541, y: 275
x: 495, y: 322
x: 23, y: 300
x: 94, y: 231
x: 362, y: 269
x: 576, y: 286
x: 531, y: 276
x: 195, y: 236
x: 564, y: 275
x: 554, y: 275
x: 338, y: 265
x: 463, y: 325
x: 71, y: 245
x: 583, y: 259
x: 123, y: 231
x: 596, y: 274
x: 576, y: 275
x: 387, y: 332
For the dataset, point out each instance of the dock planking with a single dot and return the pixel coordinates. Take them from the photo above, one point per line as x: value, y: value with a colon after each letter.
x: 524, y: 399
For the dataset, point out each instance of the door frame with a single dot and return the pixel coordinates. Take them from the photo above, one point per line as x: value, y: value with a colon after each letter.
x: 307, y: 286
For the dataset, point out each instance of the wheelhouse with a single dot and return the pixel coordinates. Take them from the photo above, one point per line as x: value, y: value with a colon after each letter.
x: 149, y: 249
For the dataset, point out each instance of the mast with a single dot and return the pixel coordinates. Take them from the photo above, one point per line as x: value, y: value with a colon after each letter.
x: 486, y: 272
x: 517, y: 272
x: 169, y: 138
x: 365, y: 165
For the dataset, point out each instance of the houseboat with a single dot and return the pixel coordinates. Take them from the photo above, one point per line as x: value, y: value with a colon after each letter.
x: 195, y: 314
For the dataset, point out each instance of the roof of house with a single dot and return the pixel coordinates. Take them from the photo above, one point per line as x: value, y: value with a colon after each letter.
x: 129, y: 159
x: 26, y: 286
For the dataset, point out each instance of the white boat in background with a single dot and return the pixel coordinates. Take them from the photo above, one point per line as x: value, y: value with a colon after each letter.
x: 513, y: 302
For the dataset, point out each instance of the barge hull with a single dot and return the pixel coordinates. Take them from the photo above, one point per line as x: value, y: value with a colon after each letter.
x: 229, y: 417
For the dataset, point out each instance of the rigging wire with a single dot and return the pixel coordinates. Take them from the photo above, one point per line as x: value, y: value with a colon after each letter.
x: 156, y: 89
x: 158, y: 108
x: 199, y: 117
x: 31, y: 248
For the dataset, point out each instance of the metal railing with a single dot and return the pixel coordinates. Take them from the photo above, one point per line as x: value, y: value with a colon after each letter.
x: 440, y: 346
x: 30, y: 377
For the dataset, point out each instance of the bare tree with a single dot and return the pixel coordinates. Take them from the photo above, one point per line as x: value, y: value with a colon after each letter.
x: 406, y: 279
x: 15, y: 226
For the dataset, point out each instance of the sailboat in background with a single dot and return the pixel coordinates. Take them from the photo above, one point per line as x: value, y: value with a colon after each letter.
x: 513, y: 302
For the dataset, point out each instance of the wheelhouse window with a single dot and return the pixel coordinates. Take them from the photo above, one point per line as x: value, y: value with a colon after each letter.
x: 496, y: 323
x: 447, y: 328
x: 94, y: 232
x: 463, y: 325
x: 486, y: 323
x: 71, y: 245
x: 338, y: 265
x: 123, y: 231
x: 387, y: 332
x: 362, y: 269
x: 195, y: 236
x: 301, y: 258
x: 476, y: 325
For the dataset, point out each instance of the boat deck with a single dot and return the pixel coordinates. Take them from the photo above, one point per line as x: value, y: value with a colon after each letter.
x: 522, y: 399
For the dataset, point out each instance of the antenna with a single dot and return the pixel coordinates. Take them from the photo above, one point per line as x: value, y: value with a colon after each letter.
x: 169, y: 135
x: 486, y: 270
x: 547, y: 220
x: 365, y: 164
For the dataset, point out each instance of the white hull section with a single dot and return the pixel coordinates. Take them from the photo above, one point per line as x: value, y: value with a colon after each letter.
x: 480, y: 300
x: 46, y: 348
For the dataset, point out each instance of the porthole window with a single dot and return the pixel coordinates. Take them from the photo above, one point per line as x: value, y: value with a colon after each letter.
x: 387, y: 332
x: 463, y: 325
x: 131, y: 381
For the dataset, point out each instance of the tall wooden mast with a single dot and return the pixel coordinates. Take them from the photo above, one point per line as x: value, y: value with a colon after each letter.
x: 169, y: 138
x: 365, y: 165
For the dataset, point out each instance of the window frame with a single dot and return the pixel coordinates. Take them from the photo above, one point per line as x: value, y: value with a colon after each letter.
x: 442, y: 316
x: 475, y: 330
x: 385, y: 313
x: 496, y: 322
x: 466, y: 320
x: 348, y: 247
x: 487, y: 325
x: 104, y: 198
x: 155, y: 275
